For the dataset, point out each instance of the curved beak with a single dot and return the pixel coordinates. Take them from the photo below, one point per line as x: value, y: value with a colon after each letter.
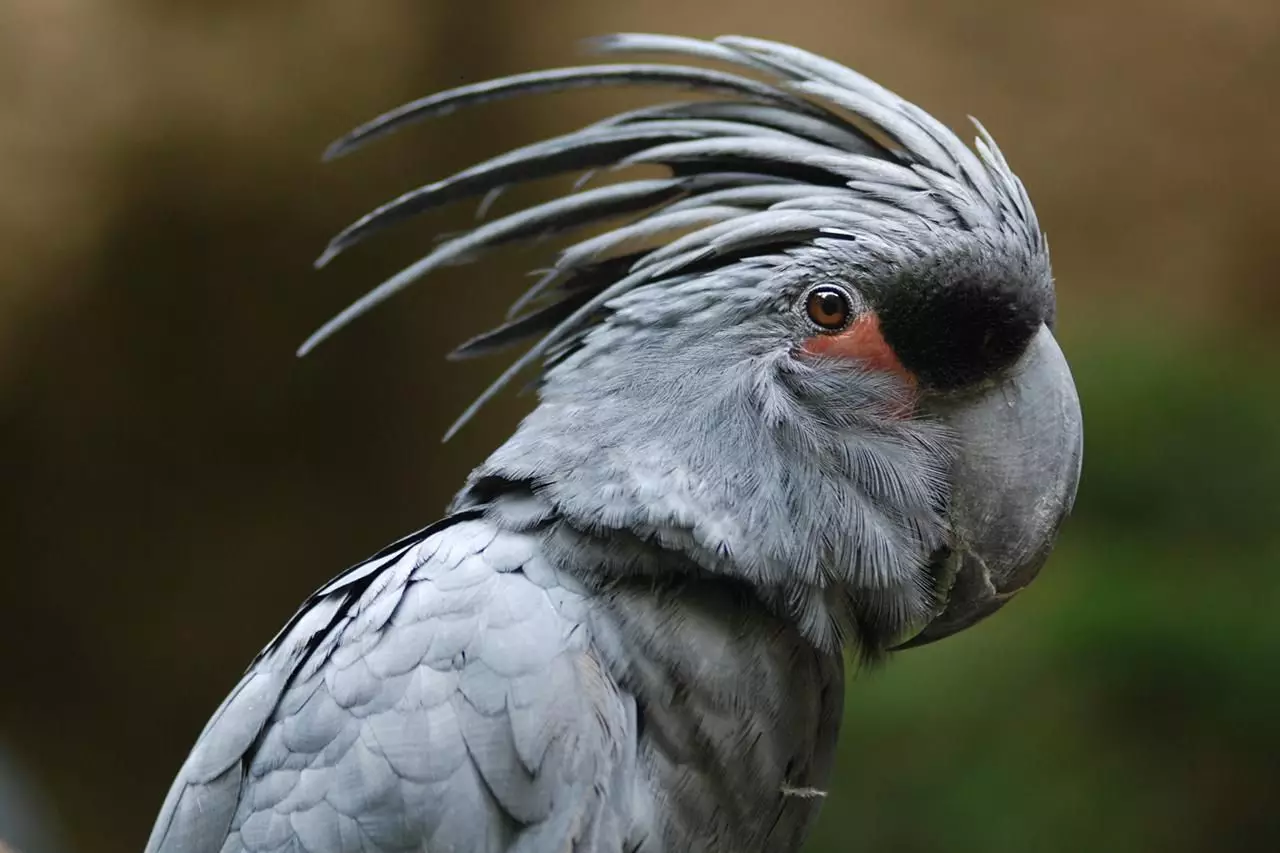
x: 1014, y: 481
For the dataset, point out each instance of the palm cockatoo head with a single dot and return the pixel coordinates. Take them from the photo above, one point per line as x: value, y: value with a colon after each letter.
x: 815, y: 356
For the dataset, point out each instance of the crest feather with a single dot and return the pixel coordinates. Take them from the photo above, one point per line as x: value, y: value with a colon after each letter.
x: 773, y: 164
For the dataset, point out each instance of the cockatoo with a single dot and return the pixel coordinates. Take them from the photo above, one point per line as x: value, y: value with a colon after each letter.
x: 799, y: 397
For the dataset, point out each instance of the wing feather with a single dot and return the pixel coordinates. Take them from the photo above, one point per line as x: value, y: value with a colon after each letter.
x: 429, y: 696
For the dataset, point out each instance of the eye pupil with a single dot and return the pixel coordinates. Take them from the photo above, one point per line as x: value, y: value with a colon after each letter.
x: 828, y: 307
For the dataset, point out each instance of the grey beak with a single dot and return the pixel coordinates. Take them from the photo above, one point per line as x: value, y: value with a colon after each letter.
x: 1015, y: 477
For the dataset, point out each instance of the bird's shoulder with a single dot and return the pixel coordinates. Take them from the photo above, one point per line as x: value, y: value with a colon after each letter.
x: 443, y: 691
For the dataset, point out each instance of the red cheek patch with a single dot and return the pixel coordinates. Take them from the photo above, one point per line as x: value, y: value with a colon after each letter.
x: 863, y: 341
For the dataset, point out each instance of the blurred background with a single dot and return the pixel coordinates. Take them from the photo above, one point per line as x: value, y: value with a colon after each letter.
x: 173, y: 481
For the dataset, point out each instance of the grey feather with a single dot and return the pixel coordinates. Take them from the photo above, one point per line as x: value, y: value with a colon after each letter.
x: 648, y: 229
x: 542, y: 346
x: 749, y: 230
x: 820, y: 129
x: 756, y: 196
x: 947, y: 153
x: 387, y: 731
x: 681, y: 45
x: 548, y: 218
x: 579, y: 150
x: 520, y: 329
x: 920, y: 146
x: 566, y: 279
x: 592, y: 146
x: 556, y: 80
x: 768, y: 154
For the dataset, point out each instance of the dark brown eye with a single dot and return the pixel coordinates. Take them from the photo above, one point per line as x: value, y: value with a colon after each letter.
x: 829, y: 308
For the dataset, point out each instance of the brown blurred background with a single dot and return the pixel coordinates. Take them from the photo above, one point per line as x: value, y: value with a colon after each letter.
x: 173, y: 481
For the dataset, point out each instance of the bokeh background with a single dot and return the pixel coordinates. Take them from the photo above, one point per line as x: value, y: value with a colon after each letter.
x: 173, y: 481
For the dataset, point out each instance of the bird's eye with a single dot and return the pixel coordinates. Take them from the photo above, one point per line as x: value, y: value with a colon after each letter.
x: 829, y: 308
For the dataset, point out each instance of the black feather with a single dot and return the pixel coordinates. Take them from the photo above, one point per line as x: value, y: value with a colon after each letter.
x: 522, y: 328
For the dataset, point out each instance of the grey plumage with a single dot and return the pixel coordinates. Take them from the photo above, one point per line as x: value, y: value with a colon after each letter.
x: 556, y: 80
x: 628, y: 634
x: 440, y: 686
x: 829, y: 152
